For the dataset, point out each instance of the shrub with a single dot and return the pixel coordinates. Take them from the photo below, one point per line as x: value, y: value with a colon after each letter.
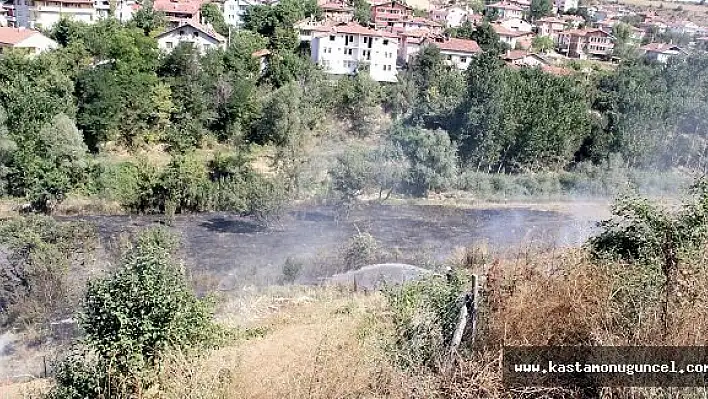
x: 361, y: 250
x: 131, y: 319
x: 291, y: 270
x: 424, y: 316
x: 40, y: 253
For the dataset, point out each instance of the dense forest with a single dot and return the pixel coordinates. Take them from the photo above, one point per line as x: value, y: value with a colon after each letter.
x: 109, y: 90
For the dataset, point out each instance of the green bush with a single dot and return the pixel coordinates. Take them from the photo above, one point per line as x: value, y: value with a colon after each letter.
x: 131, y: 319
x: 362, y: 249
x: 35, y: 279
x: 424, y: 316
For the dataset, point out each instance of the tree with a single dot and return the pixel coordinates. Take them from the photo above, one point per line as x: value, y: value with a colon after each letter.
x: 211, y: 14
x: 540, y: 9
x: 542, y: 43
x: 488, y: 39
x: 132, y: 318
x: 432, y: 157
x: 362, y: 11
x: 147, y: 19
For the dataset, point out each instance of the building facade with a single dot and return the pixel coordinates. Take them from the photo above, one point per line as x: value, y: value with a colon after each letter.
x: 348, y: 49
x: 45, y: 13
x: 27, y: 40
x: 200, y: 36
x: 457, y: 53
x: 388, y: 13
x: 587, y: 43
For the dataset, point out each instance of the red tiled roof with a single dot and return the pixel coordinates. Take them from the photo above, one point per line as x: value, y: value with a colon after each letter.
x: 515, y: 55
x: 505, y: 6
x: 584, y: 32
x: 458, y: 45
x: 402, y: 3
x: 200, y: 27
x: 13, y: 36
x: 355, y: 29
x: 180, y: 6
x: 659, y: 47
x: 504, y: 31
x: 335, y: 7
x: 260, y: 53
x: 558, y: 71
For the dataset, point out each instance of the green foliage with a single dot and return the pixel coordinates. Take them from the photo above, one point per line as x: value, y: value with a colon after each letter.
x: 540, y: 8
x: 132, y: 318
x: 424, y: 315
x: 361, y: 250
x: 41, y: 255
x: 431, y: 155
x: 352, y: 174
x: 543, y: 43
x: 362, y: 11
x: 147, y: 19
x: 211, y: 14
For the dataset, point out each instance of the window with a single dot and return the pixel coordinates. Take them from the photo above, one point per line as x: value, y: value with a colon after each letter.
x: 366, y: 39
x: 169, y: 45
x: 385, y: 42
x: 195, y: 34
x: 331, y: 38
x: 449, y: 58
x: 181, y: 33
x: 463, y: 59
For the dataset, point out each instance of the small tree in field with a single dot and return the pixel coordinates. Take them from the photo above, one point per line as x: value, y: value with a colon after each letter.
x: 132, y: 319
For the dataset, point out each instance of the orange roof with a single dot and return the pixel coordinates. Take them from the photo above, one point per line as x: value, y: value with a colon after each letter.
x: 457, y: 45
x: 13, y: 36
x: 505, y: 6
x: 261, y: 53
x: 355, y: 29
x: 515, y: 54
x: 504, y: 31
x: 335, y: 7
x: 659, y: 47
x: 558, y: 71
x: 178, y: 6
x: 392, y: 2
x: 200, y: 27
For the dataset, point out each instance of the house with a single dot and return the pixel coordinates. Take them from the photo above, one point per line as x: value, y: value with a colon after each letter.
x: 387, y: 13
x: 524, y: 58
x: 46, y: 13
x: 513, y: 38
x: 262, y: 56
x: 661, y: 52
x: 551, y: 27
x: 516, y: 24
x: 337, y: 12
x: 122, y: 9
x: 201, y: 37
x: 410, y: 44
x: 452, y: 17
x: 586, y: 43
x: 306, y: 28
x: 416, y: 23
x: 27, y: 40
x: 456, y: 52
x: 178, y: 12
x: 505, y: 10
x: 346, y: 49
x: 565, y: 5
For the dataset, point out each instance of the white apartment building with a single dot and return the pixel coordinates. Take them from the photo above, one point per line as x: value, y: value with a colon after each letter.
x: 201, y: 37
x: 123, y: 9
x: 234, y: 10
x: 46, y: 13
x: 348, y: 48
x: 565, y: 5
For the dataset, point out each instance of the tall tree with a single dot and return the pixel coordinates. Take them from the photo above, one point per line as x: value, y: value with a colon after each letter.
x: 540, y: 9
x: 211, y: 14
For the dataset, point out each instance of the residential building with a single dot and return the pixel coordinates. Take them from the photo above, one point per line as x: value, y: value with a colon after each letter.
x: 201, y: 37
x: 506, y: 10
x: 566, y: 5
x: 17, y: 13
x: 586, y: 43
x: 179, y: 12
x: 456, y: 52
x: 307, y: 27
x: 416, y: 23
x: 234, y: 10
x: 513, y: 38
x: 661, y: 52
x: 346, y: 49
x: 123, y: 9
x: 410, y: 42
x: 387, y: 13
x: 524, y: 58
x: 30, y: 41
x: 452, y: 17
x: 46, y: 13
x: 516, y: 24
x: 337, y: 12
x: 551, y: 27
x: 263, y: 58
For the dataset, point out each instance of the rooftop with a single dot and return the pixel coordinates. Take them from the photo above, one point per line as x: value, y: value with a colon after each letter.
x: 457, y: 45
x: 13, y: 36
